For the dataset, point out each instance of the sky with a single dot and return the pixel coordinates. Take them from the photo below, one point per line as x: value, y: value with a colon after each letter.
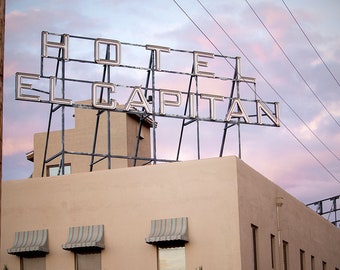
x: 299, y: 69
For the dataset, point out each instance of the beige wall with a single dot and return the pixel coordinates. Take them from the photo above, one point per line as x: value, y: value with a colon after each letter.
x: 125, y: 201
x: 293, y: 222
x: 80, y: 139
x: 221, y: 198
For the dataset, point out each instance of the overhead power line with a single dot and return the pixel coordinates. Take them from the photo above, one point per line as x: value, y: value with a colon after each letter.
x: 310, y: 152
x: 311, y: 44
x: 293, y: 65
x: 268, y: 83
x: 303, y: 145
x: 202, y: 32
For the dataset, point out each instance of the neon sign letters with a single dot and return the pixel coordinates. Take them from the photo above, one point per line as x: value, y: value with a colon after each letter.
x: 137, y: 101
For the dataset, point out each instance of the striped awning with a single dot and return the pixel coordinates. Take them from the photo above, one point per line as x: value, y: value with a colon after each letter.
x: 168, y: 231
x: 29, y: 243
x: 87, y: 238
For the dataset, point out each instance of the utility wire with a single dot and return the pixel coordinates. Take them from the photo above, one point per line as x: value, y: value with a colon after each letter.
x: 270, y: 85
x: 202, y: 32
x: 311, y: 44
x: 290, y: 61
x: 304, y: 146
x: 310, y: 152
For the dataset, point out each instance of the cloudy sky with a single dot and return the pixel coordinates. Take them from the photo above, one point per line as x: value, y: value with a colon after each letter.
x: 292, y: 48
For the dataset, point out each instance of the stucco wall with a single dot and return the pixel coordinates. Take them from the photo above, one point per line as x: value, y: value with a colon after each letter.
x: 301, y: 227
x: 125, y: 201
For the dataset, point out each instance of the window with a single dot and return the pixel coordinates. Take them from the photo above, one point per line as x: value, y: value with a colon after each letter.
x: 302, y: 259
x: 254, y: 238
x: 272, y: 250
x: 88, y: 261
x: 312, y: 263
x: 31, y: 247
x: 324, y: 265
x: 54, y: 170
x: 169, y: 236
x: 171, y: 258
x: 86, y: 242
x: 36, y: 263
x: 285, y: 255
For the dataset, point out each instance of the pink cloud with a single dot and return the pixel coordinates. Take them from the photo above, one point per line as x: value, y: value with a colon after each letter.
x: 12, y: 145
x: 18, y: 133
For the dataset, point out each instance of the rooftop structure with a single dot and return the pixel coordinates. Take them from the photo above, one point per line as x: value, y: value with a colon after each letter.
x: 85, y: 144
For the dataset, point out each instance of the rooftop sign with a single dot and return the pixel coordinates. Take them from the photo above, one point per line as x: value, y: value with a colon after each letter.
x: 160, y: 100
x: 146, y: 80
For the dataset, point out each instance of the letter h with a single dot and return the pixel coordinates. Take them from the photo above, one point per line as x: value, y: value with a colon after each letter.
x: 61, y: 45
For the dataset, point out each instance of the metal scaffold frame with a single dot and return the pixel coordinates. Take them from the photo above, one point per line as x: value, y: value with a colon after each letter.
x: 187, y: 117
x: 328, y: 208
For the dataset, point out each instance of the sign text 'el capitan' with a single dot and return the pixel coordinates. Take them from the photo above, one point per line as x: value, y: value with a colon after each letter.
x: 74, y: 75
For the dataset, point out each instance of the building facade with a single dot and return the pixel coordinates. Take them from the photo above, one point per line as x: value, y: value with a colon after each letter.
x: 208, y: 214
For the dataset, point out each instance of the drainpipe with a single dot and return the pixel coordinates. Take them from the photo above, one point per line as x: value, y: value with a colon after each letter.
x: 279, y: 203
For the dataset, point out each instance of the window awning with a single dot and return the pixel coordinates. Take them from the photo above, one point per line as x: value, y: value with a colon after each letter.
x: 30, y: 243
x: 168, y: 231
x: 85, y: 238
